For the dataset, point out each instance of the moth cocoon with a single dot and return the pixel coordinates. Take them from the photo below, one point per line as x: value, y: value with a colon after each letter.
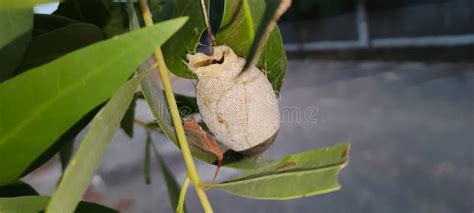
x: 240, y: 109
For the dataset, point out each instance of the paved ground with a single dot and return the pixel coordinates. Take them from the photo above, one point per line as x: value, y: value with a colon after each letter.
x: 410, y: 124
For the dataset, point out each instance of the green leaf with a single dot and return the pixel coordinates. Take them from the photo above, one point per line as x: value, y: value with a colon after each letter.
x: 44, y: 23
x: 310, y: 173
x: 133, y: 22
x: 117, y: 22
x: 160, y: 9
x: 240, y: 162
x: 239, y: 12
x: 17, y: 189
x: 171, y: 183
x: 15, y: 4
x: 25, y: 204
x: 90, y: 11
x: 216, y: 11
x: 61, y: 92
x: 34, y: 204
x: 109, y: 15
x: 186, y: 39
x: 51, y: 45
x: 273, y: 11
x: 147, y: 160
x: 87, y: 207
x: 62, y: 141
x: 240, y: 22
x: 15, y: 25
x: 80, y: 170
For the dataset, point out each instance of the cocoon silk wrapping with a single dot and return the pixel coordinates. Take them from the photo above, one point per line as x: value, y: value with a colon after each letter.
x: 240, y: 109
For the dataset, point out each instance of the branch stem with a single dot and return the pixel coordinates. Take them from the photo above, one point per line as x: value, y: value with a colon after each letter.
x: 182, y: 196
x: 208, y: 23
x: 178, y: 126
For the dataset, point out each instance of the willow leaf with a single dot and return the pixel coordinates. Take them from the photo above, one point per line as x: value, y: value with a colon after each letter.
x: 35, y: 204
x: 80, y: 170
x: 15, y: 4
x: 171, y: 183
x: 61, y: 92
x: 15, y: 25
x: 294, y: 176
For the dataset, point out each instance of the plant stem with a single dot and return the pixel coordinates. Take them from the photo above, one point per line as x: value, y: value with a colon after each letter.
x: 182, y: 196
x: 188, y: 159
x: 208, y: 24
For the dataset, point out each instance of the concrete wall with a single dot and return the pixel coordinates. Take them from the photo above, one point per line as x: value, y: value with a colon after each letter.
x: 388, y: 18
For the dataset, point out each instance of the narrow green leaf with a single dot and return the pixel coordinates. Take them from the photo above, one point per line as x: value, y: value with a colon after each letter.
x: 44, y: 23
x: 147, y: 160
x: 15, y: 25
x: 109, y: 15
x: 154, y: 96
x: 90, y: 11
x: 15, y: 4
x: 171, y: 183
x: 273, y: 11
x: 79, y: 172
x: 62, y: 141
x: 24, y: 204
x: 247, y: 162
x: 117, y: 22
x: 61, y: 92
x: 16, y: 189
x: 51, y: 45
x: 310, y: 173
x: 240, y: 22
x: 35, y: 204
x: 186, y: 39
x: 58, y: 36
x: 133, y: 22
x: 239, y: 12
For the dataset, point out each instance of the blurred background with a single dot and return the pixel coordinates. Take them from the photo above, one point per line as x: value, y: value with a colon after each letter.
x: 393, y: 78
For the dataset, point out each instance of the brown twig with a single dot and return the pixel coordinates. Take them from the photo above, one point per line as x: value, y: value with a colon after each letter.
x: 208, y: 24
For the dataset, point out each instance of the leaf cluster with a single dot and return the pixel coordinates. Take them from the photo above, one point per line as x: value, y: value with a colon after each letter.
x: 81, y: 66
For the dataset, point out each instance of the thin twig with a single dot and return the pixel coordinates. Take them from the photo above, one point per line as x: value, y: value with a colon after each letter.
x: 282, y: 8
x: 182, y: 196
x: 178, y: 126
x: 208, y: 24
